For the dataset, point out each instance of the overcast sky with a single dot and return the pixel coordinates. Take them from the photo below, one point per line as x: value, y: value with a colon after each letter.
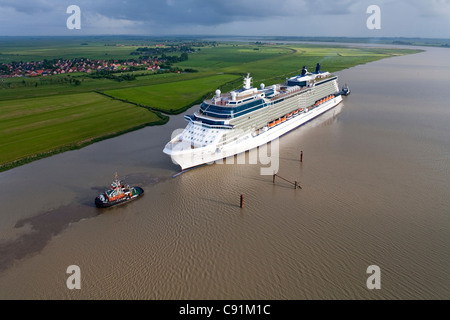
x: 399, y: 18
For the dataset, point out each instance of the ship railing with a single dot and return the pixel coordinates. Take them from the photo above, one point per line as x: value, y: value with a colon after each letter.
x: 220, y: 103
x: 171, y: 144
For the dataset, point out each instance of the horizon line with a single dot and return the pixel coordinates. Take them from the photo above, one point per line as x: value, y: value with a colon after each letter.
x: 221, y: 36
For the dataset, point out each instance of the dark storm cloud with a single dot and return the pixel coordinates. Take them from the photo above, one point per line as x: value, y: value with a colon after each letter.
x: 28, y: 6
x: 214, y: 12
x: 198, y: 12
x: 240, y: 17
x: 186, y: 12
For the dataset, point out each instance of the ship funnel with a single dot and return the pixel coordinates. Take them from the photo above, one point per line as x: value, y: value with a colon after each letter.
x: 247, y: 82
x: 304, y: 71
x: 318, y: 68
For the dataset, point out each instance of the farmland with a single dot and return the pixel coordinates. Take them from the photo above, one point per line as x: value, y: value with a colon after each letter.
x: 41, y: 116
x: 63, y: 122
x: 174, y: 96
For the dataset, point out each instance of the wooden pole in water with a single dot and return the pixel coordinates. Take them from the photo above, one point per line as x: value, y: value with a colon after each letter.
x: 242, y: 200
x: 295, y: 183
x: 301, y: 156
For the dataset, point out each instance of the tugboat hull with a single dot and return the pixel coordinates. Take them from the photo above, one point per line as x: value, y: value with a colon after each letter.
x: 102, y: 200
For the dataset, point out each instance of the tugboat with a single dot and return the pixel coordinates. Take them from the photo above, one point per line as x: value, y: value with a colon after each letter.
x: 345, y: 90
x: 117, y: 194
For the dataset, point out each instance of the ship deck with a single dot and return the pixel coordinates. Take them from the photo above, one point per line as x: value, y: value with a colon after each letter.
x: 282, y: 92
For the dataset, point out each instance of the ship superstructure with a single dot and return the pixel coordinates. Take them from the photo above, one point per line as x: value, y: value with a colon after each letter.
x: 246, y: 118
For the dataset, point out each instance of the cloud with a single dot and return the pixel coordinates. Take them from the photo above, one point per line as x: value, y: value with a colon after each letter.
x: 432, y: 8
x: 241, y: 17
x: 28, y: 6
x: 100, y: 24
x: 324, y: 7
x: 211, y: 12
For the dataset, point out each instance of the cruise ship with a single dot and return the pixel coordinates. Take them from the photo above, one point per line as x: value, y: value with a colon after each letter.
x: 243, y: 119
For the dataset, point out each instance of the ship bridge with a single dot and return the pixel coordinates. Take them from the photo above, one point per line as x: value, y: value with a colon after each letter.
x: 208, y: 122
x: 231, y: 111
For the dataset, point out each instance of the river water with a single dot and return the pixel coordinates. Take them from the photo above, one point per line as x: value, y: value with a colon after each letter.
x: 375, y: 183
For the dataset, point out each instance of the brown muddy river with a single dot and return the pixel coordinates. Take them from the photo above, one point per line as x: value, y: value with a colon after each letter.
x: 375, y: 191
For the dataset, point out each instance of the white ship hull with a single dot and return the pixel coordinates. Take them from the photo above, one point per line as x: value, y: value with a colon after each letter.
x: 187, y: 157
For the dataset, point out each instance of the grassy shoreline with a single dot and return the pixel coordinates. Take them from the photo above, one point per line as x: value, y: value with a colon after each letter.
x: 75, y: 146
x: 46, y: 119
x: 58, y: 124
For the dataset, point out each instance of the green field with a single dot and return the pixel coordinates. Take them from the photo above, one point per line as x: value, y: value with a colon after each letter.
x: 268, y: 64
x: 273, y: 64
x: 173, y: 97
x: 43, y: 125
x: 39, y: 48
x: 43, y: 116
